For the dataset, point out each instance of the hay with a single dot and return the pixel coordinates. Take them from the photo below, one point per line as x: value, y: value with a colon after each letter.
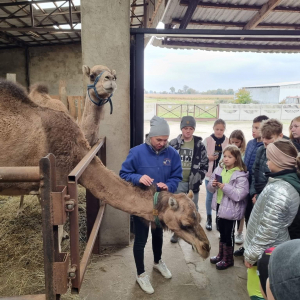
x: 21, y: 245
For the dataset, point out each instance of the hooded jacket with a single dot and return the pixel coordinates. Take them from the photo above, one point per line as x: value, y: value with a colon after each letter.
x: 163, y: 166
x: 250, y: 155
x: 272, y: 214
x: 233, y: 204
x: 199, y: 161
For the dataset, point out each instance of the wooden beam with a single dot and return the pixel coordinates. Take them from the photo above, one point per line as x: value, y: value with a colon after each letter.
x: 240, y: 25
x: 188, y: 14
x: 232, y: 46
x: 261, y: 14
x: 240, y: 6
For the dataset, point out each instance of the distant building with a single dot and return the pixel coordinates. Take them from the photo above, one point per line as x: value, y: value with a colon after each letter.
x: 275, y: 93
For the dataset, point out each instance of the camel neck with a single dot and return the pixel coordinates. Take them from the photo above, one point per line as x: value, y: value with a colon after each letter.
x: 117, y: 192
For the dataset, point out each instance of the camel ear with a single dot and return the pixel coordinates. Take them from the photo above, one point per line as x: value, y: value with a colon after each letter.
x: 190, y: 194
x: 173, y: 203
x: 114, y: 73
x: 86, y: 70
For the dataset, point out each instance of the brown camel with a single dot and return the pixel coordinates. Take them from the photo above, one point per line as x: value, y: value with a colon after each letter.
x: 29, y: 131
x: 93, y: 110
x: 39, y: 94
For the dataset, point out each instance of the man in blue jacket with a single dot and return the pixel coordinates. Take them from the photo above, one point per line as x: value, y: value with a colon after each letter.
x: 154, y: 162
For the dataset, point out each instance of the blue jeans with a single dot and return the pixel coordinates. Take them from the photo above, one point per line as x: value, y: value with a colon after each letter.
x: 183, y: 187
x: 209, y: 197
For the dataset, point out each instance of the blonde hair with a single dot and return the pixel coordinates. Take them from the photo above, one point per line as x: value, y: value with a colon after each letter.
x: 235, y: 151
x: 239, y: 135
x: 297, y: 119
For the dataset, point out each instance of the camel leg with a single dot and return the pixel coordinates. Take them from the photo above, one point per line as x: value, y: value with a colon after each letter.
x: 21, y: 206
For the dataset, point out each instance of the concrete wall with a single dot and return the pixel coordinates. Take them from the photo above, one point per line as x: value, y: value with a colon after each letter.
x: 48, y: 64
x: 106, y: 40
x: 13, y: 61
x: 265, y: 94
x: 54, y: 63
x: 247, y: 112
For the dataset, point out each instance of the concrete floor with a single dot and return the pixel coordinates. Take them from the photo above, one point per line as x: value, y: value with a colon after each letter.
x: 112, y: 276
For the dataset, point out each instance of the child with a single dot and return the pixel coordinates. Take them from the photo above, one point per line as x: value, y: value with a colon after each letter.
x: 250, y: 154
x: 237, y: 138
x: 214, y: 144
x: 276, y: 206
x: 193, y: 159
x: 228, y: 201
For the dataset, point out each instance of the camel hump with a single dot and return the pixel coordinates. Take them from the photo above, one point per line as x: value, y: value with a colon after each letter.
x: 39, y: 87
x: 13, y: 91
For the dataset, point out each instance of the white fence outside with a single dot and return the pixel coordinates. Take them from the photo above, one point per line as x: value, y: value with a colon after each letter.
x: 244, y: 112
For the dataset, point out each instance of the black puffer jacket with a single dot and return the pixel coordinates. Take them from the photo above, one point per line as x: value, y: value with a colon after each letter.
x: 199, y: 161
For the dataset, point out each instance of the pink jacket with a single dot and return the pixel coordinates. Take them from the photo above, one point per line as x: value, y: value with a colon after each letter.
x: 233, y: 204
x: 210, y: 145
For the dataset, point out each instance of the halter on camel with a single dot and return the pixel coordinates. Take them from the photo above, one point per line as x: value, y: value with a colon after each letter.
x: 101, y: 100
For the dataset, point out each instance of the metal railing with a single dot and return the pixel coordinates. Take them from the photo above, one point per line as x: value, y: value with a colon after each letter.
x: 56, y: 203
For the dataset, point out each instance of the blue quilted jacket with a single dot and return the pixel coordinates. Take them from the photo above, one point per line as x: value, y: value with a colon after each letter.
x: 250, y: 155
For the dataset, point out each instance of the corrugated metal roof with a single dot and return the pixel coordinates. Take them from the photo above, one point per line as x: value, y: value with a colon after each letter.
x: 274, y: 84
x: 235, y: 19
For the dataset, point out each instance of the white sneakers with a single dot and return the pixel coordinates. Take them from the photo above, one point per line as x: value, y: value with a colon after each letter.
x: 162, y: 268
x: 143, y: 279
x: 239, y: 239
x: 144, y: 282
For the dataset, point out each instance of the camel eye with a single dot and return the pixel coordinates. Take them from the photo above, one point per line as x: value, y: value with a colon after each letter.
x: 107, y: 77
x: 185, y: 227
x: 92, y: 77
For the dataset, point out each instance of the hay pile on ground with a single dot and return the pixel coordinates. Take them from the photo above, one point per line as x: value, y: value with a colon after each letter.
x: 21, y: 245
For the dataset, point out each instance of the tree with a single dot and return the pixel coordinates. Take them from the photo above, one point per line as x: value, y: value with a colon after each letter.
x: 172, y: 89
x: 185, y: 88
x: 243, y: 97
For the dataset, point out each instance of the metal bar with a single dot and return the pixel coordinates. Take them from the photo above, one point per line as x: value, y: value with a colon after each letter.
x: 188, y: 14
x: 27, y: 63
x: 24, y: 3
x: 145, y: 14
x: 26, y: 297
x: 31, y: 16
x: 90, y: 244
x: 47, y: 17
x: 137, y: 90
x: 21, y: 174
x: 74, y: 236
x: 48, y: 237
x: 257, y: 39
x: 79, y: 169
x: 11, y: 15
x: 70, y: 14
x: 40, y: 29
x: 39, y: 16
x: 215, y: 32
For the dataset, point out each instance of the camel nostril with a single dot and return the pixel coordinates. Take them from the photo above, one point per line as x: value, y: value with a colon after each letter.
x: 206, y: 247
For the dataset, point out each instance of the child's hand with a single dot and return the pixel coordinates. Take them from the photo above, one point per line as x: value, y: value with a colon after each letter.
x: 214, y: 183
x: 212, y: 157
x: 254, y: 199
x: 248, y: 265
x: 221, y: 185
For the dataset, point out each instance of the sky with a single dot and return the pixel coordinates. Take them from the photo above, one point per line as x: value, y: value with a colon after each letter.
x: 204, y: 70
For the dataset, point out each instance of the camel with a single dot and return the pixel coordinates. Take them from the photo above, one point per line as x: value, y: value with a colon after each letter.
x: 29, y: 131
x: 39, y: 93
x: 93, y: 107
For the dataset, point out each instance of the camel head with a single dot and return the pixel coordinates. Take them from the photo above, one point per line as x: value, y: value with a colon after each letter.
x: 106, y: 83
x: 178, y: 212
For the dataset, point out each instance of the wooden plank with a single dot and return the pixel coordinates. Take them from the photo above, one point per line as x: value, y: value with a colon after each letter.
x: 62, y: 91
x: 261, y: 14
x: 11, y: 77
x: 79, y: 108
x: 72, y: 107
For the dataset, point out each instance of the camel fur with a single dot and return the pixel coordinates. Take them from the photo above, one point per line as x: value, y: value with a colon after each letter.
x: 29, y: 131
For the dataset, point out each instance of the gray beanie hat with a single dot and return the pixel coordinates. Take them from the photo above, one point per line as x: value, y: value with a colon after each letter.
x: 284, y: 271
x: 158, y: 126
x: 188, y: 121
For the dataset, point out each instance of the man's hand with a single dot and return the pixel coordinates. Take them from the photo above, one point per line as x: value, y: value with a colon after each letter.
x: 220, y: 185
x: 162, y: 186
x: 254, y: 199
x: 248, y: 265
x: 146, y: 180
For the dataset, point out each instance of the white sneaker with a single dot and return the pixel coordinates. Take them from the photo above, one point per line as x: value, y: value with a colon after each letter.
x: 144, y: 282
x: 239, y: 239
x: 162, y: 268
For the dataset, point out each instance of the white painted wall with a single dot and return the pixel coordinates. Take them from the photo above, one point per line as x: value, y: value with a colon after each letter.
x: 265, y: 94
x: 289, y: 90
